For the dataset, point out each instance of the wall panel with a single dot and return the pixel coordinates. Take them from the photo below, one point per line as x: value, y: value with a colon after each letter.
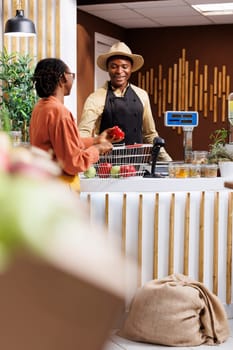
x: 203, y: 54
x: 56, y: 27
x: 171, y: 232
x: 46, y: 16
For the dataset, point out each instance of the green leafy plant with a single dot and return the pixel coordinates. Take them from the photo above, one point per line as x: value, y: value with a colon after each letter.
x: 17, y: 95
x: 218, y: 150
x: 5, y: 123
x: 219, y: 137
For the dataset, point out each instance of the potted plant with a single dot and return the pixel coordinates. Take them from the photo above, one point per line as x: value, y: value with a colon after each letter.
x: 17, y: 94
x: 221, y: 152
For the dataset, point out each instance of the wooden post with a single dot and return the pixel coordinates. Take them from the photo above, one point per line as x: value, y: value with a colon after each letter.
x: 201, y: 238
x: 174, y: 86
x: 156, y: 237
x: 171, y: 236
x: 151, y: 81
x: 186, y: 234
x: 215, y: 246
x: 169, y: 96
x: 106, y: 211
x: 229, y: 249
x: 191, y: 89
x: 140, y: 212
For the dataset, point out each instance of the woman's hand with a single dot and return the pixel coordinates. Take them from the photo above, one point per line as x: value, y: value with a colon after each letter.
x: 102, y: 143
x: 103, y: 137
x: 104, y: 147
x: 112, y: 135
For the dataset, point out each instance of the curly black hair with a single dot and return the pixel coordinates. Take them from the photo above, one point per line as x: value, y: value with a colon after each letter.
x: 47, y: 73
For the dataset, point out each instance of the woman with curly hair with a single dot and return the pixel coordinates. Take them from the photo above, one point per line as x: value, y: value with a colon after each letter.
x: 52, y: 125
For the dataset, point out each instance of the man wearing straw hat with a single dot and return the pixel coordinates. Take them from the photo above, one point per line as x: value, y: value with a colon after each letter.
x: 119, y: 102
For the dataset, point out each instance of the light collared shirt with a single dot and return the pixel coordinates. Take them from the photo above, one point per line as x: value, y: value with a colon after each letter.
x: 90, y: 121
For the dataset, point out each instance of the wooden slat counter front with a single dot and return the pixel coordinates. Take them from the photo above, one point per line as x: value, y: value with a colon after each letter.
x: 169, y: 226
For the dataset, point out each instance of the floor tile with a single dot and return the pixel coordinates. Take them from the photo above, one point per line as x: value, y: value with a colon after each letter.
x: 118, y: 343
x: 111, y: 346
x: 130, y: 345
x: 228, y: 345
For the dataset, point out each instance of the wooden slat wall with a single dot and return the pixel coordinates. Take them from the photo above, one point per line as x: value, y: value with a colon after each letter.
x: 229, y: 249
x: 219, y: 239
x: 189, y: 87
x: 140, y: 220
x: 156, y: 237
x: 186, y: 235
x: 46, y: 16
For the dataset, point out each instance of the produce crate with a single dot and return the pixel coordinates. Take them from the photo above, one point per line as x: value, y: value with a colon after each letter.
x: 124, y: 161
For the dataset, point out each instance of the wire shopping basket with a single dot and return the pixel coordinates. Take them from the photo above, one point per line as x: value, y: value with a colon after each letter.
x: 124, y: 161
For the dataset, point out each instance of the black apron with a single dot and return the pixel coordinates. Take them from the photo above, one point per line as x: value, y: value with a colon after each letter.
x: 126, y: 112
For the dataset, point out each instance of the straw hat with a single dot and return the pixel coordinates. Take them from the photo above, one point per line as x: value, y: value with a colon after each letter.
x: 120, y: 49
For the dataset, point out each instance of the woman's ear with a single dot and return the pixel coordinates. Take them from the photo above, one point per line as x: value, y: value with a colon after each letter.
x: 62, y: 79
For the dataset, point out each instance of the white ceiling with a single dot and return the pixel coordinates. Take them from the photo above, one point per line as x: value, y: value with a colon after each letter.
x: 151, y: 14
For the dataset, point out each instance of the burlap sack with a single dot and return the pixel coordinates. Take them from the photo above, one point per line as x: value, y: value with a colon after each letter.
x: 176, y: 311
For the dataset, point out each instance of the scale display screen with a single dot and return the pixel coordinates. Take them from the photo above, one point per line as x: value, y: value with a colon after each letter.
x: 181, y: 118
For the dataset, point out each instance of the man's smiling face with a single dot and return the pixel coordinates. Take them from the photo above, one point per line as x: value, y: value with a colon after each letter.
x: 119, y: 69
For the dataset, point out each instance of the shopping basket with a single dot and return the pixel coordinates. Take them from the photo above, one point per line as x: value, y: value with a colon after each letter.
x: 124, y: 161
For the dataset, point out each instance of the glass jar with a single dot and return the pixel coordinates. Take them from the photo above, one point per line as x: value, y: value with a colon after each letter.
x: 188, y: 157
x: 194, y: 170
x: 200, y: 157
x: 172, y: 169
x: 210, y: 170
x: 182, y: 170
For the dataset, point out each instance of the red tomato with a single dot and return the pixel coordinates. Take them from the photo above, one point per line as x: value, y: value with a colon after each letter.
x: 104, y: 170
x: 117, y: 133
x: 127, y: 170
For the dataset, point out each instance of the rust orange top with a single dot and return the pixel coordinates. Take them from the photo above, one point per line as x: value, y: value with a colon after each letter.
x: 53, y: 128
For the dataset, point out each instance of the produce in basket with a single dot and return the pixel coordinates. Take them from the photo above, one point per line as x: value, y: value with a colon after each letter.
x: 117, y: 133
x: 104, y: 169
x: 127, y: 170
x: 115, y: 171
x: 90, y: 172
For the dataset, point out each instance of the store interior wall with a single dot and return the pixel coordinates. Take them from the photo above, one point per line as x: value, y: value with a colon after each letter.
x: 210, y: 45
x: 87, y: 25
x: 55, y: 23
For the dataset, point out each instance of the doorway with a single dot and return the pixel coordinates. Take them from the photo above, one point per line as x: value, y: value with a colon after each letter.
x: 102, y: 45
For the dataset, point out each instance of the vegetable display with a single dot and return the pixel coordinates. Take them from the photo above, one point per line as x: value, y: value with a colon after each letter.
x: 104, y: 170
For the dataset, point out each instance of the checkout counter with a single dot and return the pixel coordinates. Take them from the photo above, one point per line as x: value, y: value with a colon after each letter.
x: 169, y: 225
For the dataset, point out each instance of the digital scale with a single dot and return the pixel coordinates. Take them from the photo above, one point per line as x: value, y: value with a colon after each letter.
x: 181, y: 118
x: 187, y: 120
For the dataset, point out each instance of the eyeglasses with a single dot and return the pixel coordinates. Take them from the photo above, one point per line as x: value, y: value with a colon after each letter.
x: 73, y: 74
